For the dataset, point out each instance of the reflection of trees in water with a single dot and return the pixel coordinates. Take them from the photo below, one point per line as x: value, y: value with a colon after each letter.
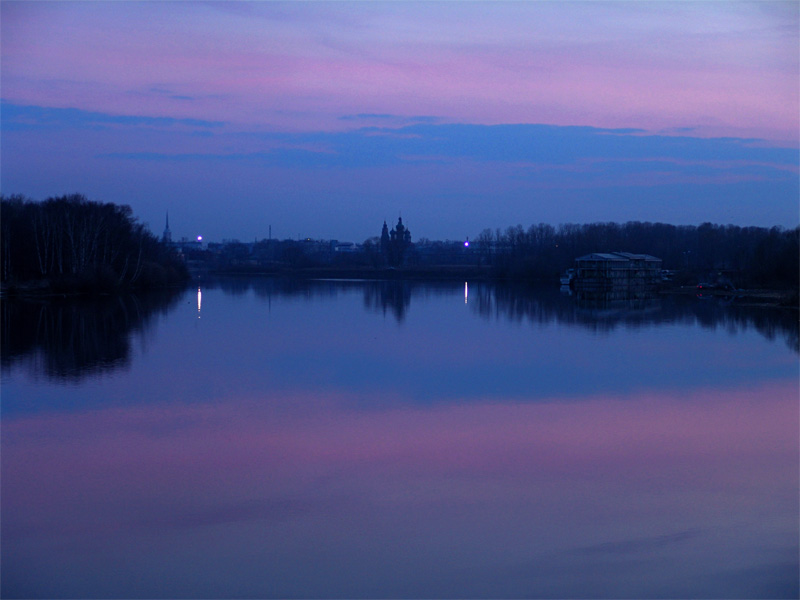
x: 388, y: 295
x: 547, y: 304
x: 265, y: 287
x: 70, y: 338
x: 598, y: 312
x: 605, y: 313
x: 379, y: 295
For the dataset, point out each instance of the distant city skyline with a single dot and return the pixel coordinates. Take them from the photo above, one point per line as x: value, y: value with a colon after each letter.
x: 325, y: 119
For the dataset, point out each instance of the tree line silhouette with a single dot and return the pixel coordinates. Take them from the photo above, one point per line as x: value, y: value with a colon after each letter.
x: 72, y: 243
x: 749, y: 256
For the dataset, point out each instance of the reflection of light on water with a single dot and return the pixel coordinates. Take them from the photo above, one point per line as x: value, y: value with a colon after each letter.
x: 199, y: 301
x: 466, y: 292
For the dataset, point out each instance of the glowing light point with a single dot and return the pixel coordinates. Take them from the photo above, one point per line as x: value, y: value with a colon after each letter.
x: 466, y: 243
x: 199, y: 238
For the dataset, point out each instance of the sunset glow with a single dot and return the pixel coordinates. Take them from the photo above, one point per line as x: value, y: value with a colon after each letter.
x: 324, y: 118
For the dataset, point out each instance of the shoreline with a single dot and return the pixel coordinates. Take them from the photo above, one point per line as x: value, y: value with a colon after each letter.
x: 765, y: 297
x: 744, y: 297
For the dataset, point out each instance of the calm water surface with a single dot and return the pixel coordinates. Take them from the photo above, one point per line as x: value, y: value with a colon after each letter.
x: 387, y: 440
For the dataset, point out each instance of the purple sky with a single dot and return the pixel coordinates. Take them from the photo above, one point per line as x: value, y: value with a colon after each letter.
x: 324, y: 119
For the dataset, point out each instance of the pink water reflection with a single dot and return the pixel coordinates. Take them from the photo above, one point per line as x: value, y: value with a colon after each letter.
x: 693, y: 494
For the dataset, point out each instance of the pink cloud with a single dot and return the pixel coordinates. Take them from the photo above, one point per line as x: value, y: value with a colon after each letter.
x: 278, y: 66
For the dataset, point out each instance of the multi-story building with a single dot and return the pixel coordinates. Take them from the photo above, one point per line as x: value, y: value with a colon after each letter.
x: 609, y: 270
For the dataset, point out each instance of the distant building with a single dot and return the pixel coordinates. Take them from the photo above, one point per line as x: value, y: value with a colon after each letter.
x: 399, y: 234
x: 394, y: 243
x: 606, y: 271
x: 344, y: 246
x: 385, y: 240
x: 167, y: 236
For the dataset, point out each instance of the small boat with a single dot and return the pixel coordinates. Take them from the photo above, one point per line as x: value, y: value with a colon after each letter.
x: 566, y: 278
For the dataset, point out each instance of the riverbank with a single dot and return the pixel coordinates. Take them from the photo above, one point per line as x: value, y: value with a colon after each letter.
x: 749, y: 297
x: 752, y: 297
x: 743, y: 297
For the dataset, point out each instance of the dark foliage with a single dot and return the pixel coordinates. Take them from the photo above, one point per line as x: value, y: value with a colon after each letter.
x: 748, y: 256
x: 70, y: 243
x: 68, y: 338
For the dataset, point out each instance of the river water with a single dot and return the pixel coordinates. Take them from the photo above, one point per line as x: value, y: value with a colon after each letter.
x: 268, y: 438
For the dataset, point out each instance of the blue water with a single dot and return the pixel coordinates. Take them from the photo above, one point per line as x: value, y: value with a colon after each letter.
x: 361, y: 439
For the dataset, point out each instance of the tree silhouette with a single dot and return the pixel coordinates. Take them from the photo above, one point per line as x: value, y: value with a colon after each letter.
x: 74, y: 243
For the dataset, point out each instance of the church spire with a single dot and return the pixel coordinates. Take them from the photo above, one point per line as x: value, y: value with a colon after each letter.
x: 167, y: 237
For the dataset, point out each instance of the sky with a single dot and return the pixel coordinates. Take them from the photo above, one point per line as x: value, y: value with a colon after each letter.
x: 323, y: 119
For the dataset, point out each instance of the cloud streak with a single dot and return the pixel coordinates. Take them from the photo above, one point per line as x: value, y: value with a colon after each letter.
x: 531, y: 148
x: 21, y: 118
x: 467, y: 116
x: 588, y: 64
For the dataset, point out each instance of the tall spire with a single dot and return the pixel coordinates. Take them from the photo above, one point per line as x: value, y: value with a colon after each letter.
x: 167, y: 237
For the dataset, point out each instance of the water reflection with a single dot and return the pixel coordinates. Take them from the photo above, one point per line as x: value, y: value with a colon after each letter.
x: 598, y: 312
x: 286, y: 495
x: 69, y: 339
x: 602, y: 313
x: 394, y: 296
x: 297, y: 443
